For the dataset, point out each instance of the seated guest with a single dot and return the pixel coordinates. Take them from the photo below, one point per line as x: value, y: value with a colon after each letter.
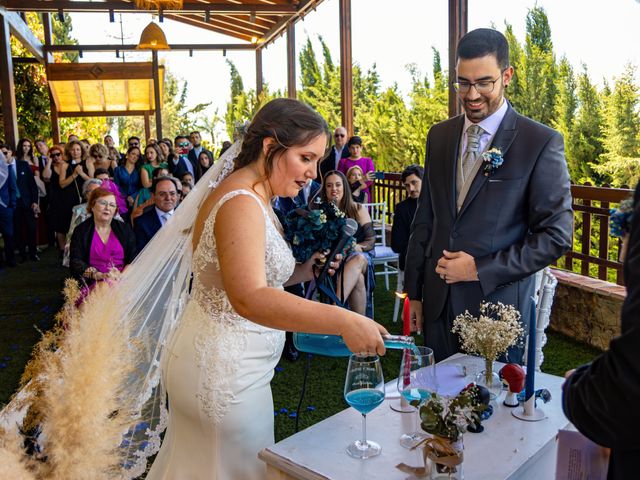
x: 365, y: 163
x: 100, y: 243
x: 186, y: 189
x: 164, y: 192
x: 356, y: 281
x: 99, y: 159
x: 600, y: 398
x: 405, y: 210
x: 357, y: 184
x: 79, y: 214
x: 140, y: 208
x: 187, y: 177
x: 153, y: 160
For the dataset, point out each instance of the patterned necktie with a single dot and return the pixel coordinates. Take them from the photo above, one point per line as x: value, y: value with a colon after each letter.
x: 473, y: 150
x: 165, y: 217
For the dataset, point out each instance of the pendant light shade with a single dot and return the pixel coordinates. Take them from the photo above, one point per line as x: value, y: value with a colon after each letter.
x: 153, y: 38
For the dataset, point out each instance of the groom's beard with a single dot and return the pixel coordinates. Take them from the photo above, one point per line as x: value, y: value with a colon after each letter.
x: 489, y: 105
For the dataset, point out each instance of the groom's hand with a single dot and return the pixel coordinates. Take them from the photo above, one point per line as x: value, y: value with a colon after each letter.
x: 456, y: 267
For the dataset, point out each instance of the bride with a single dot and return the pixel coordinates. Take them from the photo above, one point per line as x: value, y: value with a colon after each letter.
x: 218, y: 367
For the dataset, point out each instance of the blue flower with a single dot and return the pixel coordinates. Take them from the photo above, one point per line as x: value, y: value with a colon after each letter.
x: 492, y: 159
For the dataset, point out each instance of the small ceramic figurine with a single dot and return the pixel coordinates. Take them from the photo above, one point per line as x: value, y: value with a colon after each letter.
x: 513, y: 376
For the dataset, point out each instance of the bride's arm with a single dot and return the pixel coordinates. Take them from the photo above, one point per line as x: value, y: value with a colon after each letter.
x: 304, y: 271
x: 240, y: 241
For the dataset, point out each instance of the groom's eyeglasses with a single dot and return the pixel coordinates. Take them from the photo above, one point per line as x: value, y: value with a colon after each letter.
x: 483, y: 86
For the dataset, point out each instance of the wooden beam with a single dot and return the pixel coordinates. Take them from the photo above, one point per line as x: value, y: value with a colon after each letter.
x: 458, y: 15
x: 259, y: 81
x: 156, y: 93
x: 147, y: 127
x: 291, y: 61
x: 218, y: 28
x: 48, y: 58
x: 100, y: 71
x: 23, y: 33
x: 304, y: 7
x: 76, y: 89
x: 346, y: 66
x: 131, y: 47
x: 9, y: 111
x: 48, y: 37
x: 105, y: 113
x: 119, y: 6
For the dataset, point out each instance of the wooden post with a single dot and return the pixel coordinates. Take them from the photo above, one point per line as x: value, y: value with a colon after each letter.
x: 9, y: 111
x: 291, y: 61
x: 147, y: 128
x: 156, y: 93
x: 48, y: 58
x: 346, y: 66
x: 259, y: 81
x: 458, y: 14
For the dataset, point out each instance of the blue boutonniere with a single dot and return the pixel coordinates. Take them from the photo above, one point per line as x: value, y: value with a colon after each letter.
x: 492, y: 159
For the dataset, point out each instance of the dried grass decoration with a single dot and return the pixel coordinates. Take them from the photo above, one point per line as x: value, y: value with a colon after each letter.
x: 75, y: 386
x: 158, y: 4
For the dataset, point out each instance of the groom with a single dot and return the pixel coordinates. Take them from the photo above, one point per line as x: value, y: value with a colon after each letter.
x: 482, y: 228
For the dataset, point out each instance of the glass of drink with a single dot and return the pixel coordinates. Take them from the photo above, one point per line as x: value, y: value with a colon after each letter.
x: 364, y: 391
x: 415, y: 384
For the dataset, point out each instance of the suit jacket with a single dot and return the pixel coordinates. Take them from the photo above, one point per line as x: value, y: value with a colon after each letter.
x: 514, y: 222
x: 179, y: 169
x: 401, y: 228
x: 26, y: 183
x: 194, y: 161
x: 80, y: 248
x: 600, y: 398
x: 145, y: 227
x: 285, y: 204
x: 329, y: 162
x: 8, y: 190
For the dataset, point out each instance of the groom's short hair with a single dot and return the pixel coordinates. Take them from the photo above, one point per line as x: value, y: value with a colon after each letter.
x: 484, y: 41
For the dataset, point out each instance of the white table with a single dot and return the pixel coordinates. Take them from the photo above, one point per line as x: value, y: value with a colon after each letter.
x: 507, y: 449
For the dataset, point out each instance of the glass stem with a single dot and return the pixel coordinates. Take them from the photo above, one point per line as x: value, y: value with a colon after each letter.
x: 364, y: 431
x: 488, y: 372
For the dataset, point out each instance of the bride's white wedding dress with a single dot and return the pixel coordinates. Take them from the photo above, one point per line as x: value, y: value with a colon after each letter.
x: 217, y: 371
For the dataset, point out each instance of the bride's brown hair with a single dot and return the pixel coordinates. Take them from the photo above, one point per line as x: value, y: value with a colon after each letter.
x: 289, y: 122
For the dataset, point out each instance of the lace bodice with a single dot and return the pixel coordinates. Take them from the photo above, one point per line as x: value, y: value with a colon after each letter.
x: 222, y: 337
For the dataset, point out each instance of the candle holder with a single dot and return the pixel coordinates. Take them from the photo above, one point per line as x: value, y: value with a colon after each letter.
x: 529, y: 412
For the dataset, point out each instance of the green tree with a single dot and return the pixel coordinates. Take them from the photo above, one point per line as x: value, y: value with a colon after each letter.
x: 621, y: 156
x: 565, y: 110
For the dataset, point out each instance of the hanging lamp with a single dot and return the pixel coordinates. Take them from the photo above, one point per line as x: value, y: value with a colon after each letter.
x: 153, y: 38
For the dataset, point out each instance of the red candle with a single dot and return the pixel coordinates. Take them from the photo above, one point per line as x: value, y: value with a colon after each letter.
x: 406, y: 317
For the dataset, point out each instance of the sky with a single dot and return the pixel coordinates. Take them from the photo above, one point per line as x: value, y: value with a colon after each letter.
x: 600, y: 35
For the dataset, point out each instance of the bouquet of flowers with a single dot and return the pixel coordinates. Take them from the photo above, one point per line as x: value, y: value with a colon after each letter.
x: 621, y: 218
x: 314, y: 230
x: 491, y: 334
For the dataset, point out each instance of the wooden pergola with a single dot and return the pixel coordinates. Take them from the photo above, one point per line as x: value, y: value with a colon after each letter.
x: 253, y: 24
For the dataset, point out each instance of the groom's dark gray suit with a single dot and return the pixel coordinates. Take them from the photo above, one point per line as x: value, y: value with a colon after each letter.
x: 514, y: 222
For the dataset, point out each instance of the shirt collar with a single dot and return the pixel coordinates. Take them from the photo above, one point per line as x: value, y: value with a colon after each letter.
x: 161, y: 213
x: 490, y: 124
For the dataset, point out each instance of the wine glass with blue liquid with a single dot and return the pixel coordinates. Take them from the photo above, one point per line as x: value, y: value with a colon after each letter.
x: 364, y: 391
x: 415, y: 384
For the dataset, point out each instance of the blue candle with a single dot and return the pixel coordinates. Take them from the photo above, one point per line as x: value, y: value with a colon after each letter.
x: 531, y: 354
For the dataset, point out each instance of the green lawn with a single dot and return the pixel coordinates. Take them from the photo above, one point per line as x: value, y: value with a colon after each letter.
x: 31, y: 296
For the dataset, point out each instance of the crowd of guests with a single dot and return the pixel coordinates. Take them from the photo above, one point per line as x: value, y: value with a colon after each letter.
x: 97, y: 205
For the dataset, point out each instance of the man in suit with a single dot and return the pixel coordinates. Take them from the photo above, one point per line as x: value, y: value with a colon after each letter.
x: 338, y: 151
x: 27, y: 208
x: 181, y: 163
x: 601, y: 398
x: 194, y: 153
x: 404, y: 212
x: 482, y: 227
x: 164, y: 192
x: 7, y: 206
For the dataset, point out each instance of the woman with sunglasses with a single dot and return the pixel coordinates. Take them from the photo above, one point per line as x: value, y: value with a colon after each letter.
x: 61, y: 199
x: 99, y: 158
x: 100, y: 244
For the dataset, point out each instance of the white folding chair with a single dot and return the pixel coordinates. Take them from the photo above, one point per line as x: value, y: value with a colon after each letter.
x: 545, y: 290
x: 383, y: 254
x: 399, y: 298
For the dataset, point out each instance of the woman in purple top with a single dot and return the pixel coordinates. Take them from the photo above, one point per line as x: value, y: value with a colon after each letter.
x: 366, y: 164
x: 100, y: 243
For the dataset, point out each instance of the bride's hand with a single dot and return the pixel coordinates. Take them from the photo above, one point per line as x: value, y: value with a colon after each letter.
x: 318, y: 260
x: 363, y: 335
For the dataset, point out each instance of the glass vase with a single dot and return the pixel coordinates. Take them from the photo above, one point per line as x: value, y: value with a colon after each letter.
x: 445, y: 459
x: 489, y: 379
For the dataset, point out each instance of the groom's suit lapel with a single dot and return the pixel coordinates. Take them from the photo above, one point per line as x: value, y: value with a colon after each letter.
x: 502, y: 140
x: 451, y: 162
